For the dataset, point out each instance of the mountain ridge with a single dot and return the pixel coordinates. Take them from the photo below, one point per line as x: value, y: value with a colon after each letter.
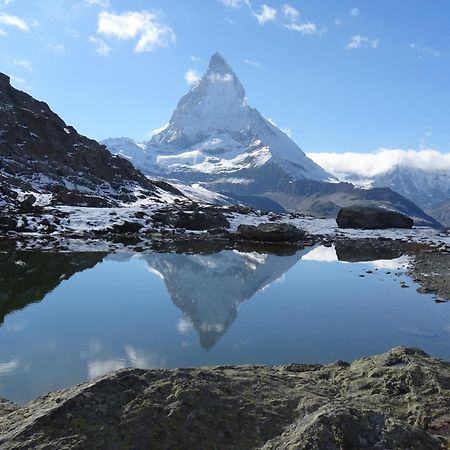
x: 215, y: 139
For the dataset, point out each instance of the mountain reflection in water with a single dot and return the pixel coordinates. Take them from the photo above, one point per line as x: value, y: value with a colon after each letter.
x: 67, y: 317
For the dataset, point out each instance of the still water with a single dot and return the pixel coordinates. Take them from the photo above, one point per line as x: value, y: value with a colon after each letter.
x: 70, y: 317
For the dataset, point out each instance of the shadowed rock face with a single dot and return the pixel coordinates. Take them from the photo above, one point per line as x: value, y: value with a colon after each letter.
x: 398, y: 400
x: 39, y: 152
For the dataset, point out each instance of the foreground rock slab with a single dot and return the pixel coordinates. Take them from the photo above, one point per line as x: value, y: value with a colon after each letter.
x: 397, y: 400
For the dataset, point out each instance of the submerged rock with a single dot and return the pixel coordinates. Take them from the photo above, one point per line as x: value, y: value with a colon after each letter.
x: 369, y: 217
x: 397, y: 400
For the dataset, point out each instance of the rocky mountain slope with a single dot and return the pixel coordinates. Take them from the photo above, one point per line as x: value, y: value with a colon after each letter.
x: 397, y: 400
x: 215, y: 139
x: 41, y: 155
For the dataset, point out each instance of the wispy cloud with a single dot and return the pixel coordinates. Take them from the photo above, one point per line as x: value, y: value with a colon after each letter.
x: 57, y: 48
x: 252, y: 63
x: 101, y: 3
x: 14, y: 21
x: 22, y: 63
x: 381, y: 161
x: 354, y: 12
x: 192, y: 77
x: 143, y: 26
x: 290, y: 12
x: 362, y: 42
x: 20, y: 83
x: 293, y: 22
x: 195, y: 58
x: 266, y: 14
x: 102, y: 48
x: 235, y: 3
x: 425, y: 51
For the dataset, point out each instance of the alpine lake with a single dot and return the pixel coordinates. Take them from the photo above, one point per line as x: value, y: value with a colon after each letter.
x: 67, y: 317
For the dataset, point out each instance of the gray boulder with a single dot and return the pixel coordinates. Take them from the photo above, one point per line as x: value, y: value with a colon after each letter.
x: 397, y: 400
x: 371, y: 218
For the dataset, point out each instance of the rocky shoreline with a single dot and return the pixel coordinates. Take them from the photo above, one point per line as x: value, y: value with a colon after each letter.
x: 397, y: 400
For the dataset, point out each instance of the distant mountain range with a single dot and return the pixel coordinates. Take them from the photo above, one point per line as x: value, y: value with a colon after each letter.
x: 427, y: 187
x: 215, y: 139
x: 214, y: 143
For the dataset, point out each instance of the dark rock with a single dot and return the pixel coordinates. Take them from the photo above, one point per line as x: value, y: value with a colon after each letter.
x: 200, y: 219
x: 37, y: 145
x: 76, y: 198
x: 7, y: 223
x: 369, y: 217
x: 271, y: 232
x: 127, y: 227
x: 397, y: 400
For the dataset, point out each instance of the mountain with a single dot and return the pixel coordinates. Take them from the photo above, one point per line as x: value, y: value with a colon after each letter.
x: 210, y: 288
x: 441, y: 212
x: 429, y: 189
x: 216, y: 139
x: 41, y: 155
x: 428, y: 186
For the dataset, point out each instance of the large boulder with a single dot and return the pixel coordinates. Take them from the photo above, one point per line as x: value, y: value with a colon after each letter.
x: 397, y: 400
x: 371, y: 218
x: 271, y: 232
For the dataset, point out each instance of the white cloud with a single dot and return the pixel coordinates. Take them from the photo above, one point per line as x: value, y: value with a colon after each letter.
x: 192, y: 77
x: 235, y: 3
x: 381, y: 161
x: 195, y: 58
x: 3, y: 32
x: 23, y: 63
x: 252, y: 63
x: 9, y: 367
x: 14, y: 21
x: 266, y: 14
x: 354, y: 12
x: 184, y: 326
x: 290, y: 12
x: 102, y: 47
x: 101, y: 3
x: 20, y: 83
x: 99, y: 368
x: 58, y: 48
x: 425, y: 50
x: 307, y: 28
x: 144, y: 26
x: 294, y: 23
x: 362, y: 42
x: 143, y: 360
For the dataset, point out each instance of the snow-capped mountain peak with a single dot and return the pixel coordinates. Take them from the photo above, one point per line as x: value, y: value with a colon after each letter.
x: 213, y: 133
x: 216, y: 104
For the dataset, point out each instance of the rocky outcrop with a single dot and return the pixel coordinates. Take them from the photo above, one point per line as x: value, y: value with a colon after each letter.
x: 372, y: 218
x: 398, y: 400
x: 270, y: 232
x: 41, y: 154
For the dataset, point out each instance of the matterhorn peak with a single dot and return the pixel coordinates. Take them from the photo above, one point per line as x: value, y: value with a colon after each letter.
x: 218, y: 64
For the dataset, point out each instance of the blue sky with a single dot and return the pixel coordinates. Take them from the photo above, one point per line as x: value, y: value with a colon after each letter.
x: 341, y: 75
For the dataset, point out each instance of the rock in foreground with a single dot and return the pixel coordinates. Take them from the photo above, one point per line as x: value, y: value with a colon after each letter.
x: 398, y: 400
x: 371, y: 218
